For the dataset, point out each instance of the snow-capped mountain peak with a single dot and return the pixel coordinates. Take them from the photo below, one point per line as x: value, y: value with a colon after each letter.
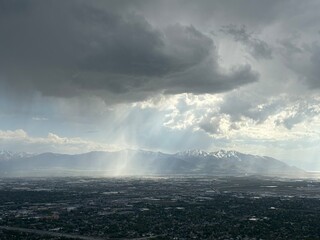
x: 6, y: 155
x: 218, y: 154
x: 225, y: 154
x: 193, y: 153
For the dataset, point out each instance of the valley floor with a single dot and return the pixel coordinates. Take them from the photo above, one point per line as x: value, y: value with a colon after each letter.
x: 159, y: 208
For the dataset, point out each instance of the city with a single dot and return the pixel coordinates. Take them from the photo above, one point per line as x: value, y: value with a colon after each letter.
x: 163, y: 207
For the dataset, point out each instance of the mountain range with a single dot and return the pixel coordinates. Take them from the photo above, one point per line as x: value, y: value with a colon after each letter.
x: 140, y: 162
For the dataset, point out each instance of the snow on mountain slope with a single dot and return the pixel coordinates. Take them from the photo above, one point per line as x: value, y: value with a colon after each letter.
x: 8, y: 155
x: 192, y: 153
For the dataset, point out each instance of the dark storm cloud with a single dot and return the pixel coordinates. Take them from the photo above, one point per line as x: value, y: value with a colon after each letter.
x: 71, y: 48
x: 249, y: 12
x: 207, y: 75
x: 256, y: 47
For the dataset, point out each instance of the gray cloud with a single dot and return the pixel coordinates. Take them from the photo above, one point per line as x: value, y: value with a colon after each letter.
x: 214, y: 13
x: 256, y: 47
x: 242, y: 105
x: 301, y: 111
x: 289, y: 122
x: 304, y: 60
x: 207, y: 77
x: 210, y: 125
x: 72, y: 48
x: 313, y: 75
x: 290, y: 47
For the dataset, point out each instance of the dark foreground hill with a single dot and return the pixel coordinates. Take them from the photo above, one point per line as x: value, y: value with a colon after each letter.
x: 138, y: 162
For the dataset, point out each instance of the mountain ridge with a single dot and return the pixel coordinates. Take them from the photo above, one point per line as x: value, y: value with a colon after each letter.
x: 141, y: 162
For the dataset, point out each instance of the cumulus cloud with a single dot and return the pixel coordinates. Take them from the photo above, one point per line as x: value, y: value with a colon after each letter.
x: 20, y: 139
x: 240, y: 105
x: 243, y: 119
x: 12, y: 135
x: 298, y: 112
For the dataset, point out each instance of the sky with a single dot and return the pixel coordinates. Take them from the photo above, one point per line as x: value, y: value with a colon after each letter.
x: 79, y: 76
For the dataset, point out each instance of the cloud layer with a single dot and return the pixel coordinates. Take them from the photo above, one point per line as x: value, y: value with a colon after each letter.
x: 75, y: 48
x: 162, y: 75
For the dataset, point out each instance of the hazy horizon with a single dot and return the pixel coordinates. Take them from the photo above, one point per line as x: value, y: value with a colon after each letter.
x: 192, y: 152
x: 81, y: 76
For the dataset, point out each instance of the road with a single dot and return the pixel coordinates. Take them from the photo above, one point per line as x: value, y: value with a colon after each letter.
x: 56, y: 234
x: 53, y: 234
